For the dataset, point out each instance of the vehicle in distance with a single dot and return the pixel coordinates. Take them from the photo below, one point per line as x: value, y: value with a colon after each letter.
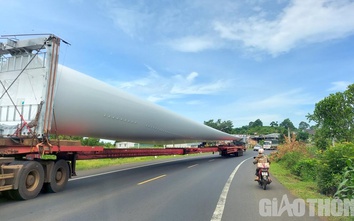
x: 267, y: 145
x: 257, y: 147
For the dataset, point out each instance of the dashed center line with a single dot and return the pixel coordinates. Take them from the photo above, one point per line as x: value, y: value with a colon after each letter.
x: 192, y: 166
x: 152, y: 179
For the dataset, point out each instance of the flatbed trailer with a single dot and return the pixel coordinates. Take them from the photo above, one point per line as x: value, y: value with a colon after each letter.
x: 132, y: 152
x: 25, y: 170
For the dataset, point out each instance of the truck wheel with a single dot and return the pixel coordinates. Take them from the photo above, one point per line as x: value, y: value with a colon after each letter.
x: 30, y: 182
x: 59, y: 177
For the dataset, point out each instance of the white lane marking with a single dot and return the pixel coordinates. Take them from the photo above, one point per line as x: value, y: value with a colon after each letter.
x: 211, y: 160
x: 192, y: 166
x: 219, y: 210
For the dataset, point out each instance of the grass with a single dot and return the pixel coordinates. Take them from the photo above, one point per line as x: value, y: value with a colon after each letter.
x: 301, y: 189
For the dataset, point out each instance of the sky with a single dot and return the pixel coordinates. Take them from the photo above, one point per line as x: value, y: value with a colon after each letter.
x: 238, y: 60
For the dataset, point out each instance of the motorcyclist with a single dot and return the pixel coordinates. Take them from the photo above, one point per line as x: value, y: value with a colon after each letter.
x: 260, y: 158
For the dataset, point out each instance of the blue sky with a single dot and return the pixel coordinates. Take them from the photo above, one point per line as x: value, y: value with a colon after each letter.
x: 204, y: 59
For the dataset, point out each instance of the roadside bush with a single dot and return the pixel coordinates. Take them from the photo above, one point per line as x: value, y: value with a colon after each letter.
x: 321, y: 140
x: 288, y: 151
x: 306, y: 169
x: 331, y: 168
x: 297, y: 158
x: 345, y: 189
x: 290, y: 159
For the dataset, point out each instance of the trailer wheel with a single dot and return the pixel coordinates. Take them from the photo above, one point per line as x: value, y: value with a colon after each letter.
x: 59, y: 177
x: 30, y: 181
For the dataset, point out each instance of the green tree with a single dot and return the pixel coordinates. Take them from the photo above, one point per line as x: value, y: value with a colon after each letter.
x: 225, y: 126
x: 257, y: 123
x: 274, y: 124
x: 302, y: 136
x: 303, y: 126
x: 334, y: 116
x: 211, y: 123
x: 287, y: 124
x: 89, y: 141
x: 241, y: 130
x: 65, y: 137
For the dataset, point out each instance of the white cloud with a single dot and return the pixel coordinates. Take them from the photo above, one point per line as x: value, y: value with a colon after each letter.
x: 300, y: 22
x: 195, y: 102
x: 192, y: 76
x: 284, y: 100
x: 161, y: 97
x: 151, y: 78
x: 293, y: 97
x: 202, y: 88
x: 156, y: 87
x: 192, y: 44
x: 126, y: 20
x: 131, y: 19
x: 339, y: 86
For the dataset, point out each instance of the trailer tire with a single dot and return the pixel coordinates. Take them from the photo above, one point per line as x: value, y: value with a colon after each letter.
x: 30, y: 182
x: 59, y: 177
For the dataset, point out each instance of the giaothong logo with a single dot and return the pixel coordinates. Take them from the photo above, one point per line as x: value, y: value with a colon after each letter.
x: 321, y: 207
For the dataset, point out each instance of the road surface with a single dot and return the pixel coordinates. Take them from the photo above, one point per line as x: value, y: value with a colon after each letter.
x: 206, y: 187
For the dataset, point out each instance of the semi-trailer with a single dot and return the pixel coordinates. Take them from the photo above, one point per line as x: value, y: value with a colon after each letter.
x: 41, y: 99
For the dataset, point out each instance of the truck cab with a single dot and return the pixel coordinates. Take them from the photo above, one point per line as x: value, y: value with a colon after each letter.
x: 267, y: 145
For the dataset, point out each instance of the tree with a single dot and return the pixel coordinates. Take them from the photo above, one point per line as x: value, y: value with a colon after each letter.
x: 90, y: 141
x: 274, y: 124
x: 303, y: 126
x: 225, y: 126
x: 257, y: 123
x: 302, y: 136
x: 287, y: 124
x: 241, y: 130
x: 334, y: 116
x: 211, y: 123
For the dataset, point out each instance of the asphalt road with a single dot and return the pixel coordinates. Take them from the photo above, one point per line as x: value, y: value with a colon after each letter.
x: 195, y: 188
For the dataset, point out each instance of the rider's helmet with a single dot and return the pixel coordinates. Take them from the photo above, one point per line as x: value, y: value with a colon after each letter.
x: 261, y: 151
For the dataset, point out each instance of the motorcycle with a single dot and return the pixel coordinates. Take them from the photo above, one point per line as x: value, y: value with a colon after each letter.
x: 263, y: 175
